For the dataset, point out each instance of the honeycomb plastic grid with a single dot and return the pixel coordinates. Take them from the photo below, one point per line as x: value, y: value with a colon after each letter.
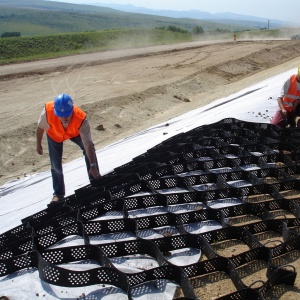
x: 233, y: 159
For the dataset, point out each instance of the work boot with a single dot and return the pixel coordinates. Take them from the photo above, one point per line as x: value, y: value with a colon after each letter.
x: 56, y: 198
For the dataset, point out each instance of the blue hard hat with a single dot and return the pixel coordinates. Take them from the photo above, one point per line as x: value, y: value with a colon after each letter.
x: 63, y: 105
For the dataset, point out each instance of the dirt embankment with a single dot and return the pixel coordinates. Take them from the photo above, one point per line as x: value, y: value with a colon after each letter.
x: 126, y: 92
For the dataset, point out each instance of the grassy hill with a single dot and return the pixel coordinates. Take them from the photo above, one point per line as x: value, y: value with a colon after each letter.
x: 39, y: 17
x: 29, y: 48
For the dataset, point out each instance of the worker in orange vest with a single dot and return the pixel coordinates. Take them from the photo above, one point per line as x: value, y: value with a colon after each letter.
x: 288, y: 102
x: 62, y: 120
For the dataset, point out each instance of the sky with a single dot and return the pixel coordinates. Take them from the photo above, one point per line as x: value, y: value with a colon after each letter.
x: 287, y: 10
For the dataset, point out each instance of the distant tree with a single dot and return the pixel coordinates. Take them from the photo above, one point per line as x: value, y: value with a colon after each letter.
x: 176, y: 29
x: 10, y: 34
x: 161, y: 28
x: 218, y: 30
x: 198, y: 30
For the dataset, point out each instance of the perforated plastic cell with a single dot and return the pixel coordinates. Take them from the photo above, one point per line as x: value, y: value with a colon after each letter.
x: 17, y: 248
x: 184, y: 256
x: 239, y: 183
x: 144, y: 201
x: 132, y: 263
x: 131, y: 189
x: 159, y: 232
x: 293, y: 226
x: 173, y: 190
x: 196, y: 172
x: 201, y: 221
x: 205, y: 187
x: 244, y: 214
x: 159, y: 225
x: 209, y: 273
x: 53, y: 212
x: 252, y: 169
x: 167, y: 184
x: 51, y: 274
x: 225, y: 202
x: 155, y: 210
x: 55, y: 257
x: 221, y: 170
x: 204, y: 226
x: 180, y: 208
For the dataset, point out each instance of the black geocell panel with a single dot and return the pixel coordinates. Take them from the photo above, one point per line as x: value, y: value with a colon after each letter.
x: 242, y: 176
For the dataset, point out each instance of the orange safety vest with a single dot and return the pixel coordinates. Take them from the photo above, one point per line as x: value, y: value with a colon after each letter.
x: 292, y: 95
x: 56, y: 131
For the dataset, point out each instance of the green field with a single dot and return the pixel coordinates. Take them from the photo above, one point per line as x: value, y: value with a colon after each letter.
x: 18, y: 49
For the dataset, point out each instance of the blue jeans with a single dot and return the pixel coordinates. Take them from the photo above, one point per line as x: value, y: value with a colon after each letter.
x: 55, y: 154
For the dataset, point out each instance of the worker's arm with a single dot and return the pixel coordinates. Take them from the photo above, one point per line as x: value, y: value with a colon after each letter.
x: 280, y: 104
x: 91, y: 154
x: 39, y: 138
x: 42, y: 126
x: 85, y: 134
x: 283, y: 92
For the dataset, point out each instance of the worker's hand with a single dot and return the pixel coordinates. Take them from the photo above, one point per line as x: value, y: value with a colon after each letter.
x: 39, y: 149
x: 95, y: 173
x: 284, y: 111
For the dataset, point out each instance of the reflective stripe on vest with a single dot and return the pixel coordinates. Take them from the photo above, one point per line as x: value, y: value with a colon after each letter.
x: 292, y: 95
x: 56, y: 131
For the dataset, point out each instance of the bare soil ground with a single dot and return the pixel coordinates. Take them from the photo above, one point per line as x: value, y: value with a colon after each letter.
x: 127, y: 91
